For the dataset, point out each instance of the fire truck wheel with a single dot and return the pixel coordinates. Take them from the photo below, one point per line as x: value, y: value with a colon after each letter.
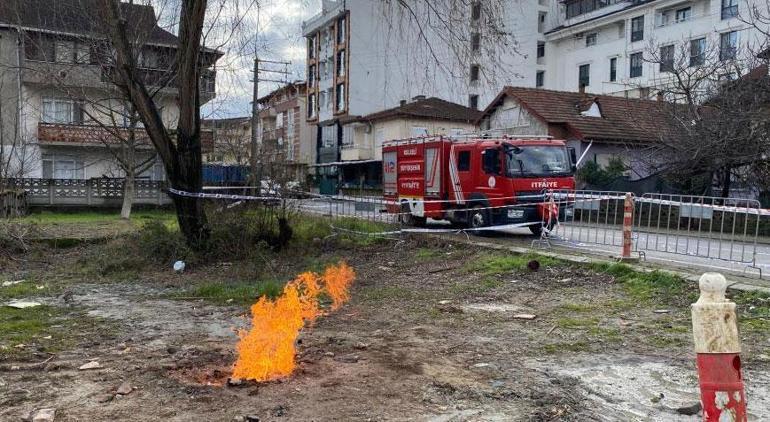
x: 410, y: 219
x: 478, y: 217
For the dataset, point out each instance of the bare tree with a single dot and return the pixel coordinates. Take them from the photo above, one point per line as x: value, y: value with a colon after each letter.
x: 716, y: 111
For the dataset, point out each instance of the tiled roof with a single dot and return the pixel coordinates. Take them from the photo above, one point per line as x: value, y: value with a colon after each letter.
x: 429, y: 108
x: 623, y: 119
x: 80, y: 17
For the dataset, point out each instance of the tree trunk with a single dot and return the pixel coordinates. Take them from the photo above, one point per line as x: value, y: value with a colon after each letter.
x: 726, y: 182
x: 128, y: 195
x: 187, y: 176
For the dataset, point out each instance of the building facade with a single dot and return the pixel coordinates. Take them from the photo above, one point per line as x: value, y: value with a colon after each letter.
x: 598, y: 127
x: 630, y: 47
x: 286, y: 138
x: 360, y: 165
x: 62, y: 117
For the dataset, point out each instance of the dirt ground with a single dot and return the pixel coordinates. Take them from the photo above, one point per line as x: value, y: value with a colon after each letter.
x: 433, y: 332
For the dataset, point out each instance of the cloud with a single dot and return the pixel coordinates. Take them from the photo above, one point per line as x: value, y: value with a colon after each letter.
x: 275, y: 28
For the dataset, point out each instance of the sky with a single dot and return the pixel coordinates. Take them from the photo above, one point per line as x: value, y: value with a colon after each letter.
x: 279, y: 38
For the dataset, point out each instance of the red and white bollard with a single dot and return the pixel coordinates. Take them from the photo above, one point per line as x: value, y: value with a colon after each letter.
x: 628, y: 221
x: 718, y: 349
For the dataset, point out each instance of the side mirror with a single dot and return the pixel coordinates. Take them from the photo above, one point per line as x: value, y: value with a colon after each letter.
x: 572, y: 159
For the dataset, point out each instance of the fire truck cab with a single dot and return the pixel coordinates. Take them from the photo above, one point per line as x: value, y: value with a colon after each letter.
x: 475, y: 182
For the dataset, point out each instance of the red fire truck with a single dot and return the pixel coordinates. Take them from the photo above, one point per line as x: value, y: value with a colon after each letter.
x: 475, y: 182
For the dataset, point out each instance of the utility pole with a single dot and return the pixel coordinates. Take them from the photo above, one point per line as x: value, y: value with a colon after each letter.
x: 254, y: 180
x: 256, y: 146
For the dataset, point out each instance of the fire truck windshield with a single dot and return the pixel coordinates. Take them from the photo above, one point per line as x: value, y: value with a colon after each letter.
x: 536, y: 161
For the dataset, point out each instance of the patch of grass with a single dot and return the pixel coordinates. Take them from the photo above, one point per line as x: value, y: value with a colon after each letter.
x: 578, y: 307
x: 753, y: 311
x: 471, y: 287
x: 137, y: 217
x: 240, y: 293
x: 426, y: 254
x: 496, y: 264
x: 647, y: 287
x: 386, y: 293
x: 666, y: 341
x: 40, y: 329
x: 606, y: 335
x: 28, y: 288
x: 554, y: 348
x: 567, y: 322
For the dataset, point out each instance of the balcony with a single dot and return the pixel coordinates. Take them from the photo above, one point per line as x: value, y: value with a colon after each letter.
x: 354, y: 152
x: 95, y: 136
x: 272, y: 134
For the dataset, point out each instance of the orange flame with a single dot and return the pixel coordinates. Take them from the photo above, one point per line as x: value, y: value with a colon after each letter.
x: 266, y: 352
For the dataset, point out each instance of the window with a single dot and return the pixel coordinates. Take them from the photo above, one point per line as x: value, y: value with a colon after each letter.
x: 697, y: 52
x: 540, y: 79
x: 463, y: 161
x: 311, y: 76
x: 341, y: 30
x: 279, y: 120
x: 541, y: 22
x: 729, y: 9
x: 340, y: 98
x: 476, y: 10
x: 290, y: 123
x: 474, y: 72
x: 148, y: 59
x: 322, y: 99
x: 63, y: 167
x: 490, y: 159
x: 65, y: 51
x: 613, y: 69
x: 584, y: 75
x: 636, y: 61
x: 311, y: 46
x: 311, y: 106
x: 683, y: 14
x: 341, y: 63
x: 473, y: 101
x: 591, y: 39
x: 61, y: 111
x: 667, y: 58
x: 637, y: 28
x: 475, y: 41
x: 82, y: 53
x: 540, y: 49
x: 728, y: 45
x: 39, y: 47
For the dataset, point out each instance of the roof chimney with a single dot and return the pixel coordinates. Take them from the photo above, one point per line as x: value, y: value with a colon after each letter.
x: 402, y: 103
x: 659, y: 97
x: 582, y: 89
x: 418, y: 98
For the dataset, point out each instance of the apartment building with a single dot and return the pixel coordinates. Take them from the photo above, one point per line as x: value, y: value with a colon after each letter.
x: 62, y: 117
x: 231, y: 141
x: 361, y: 153
x: 629, y: 47
x: 286, y: 138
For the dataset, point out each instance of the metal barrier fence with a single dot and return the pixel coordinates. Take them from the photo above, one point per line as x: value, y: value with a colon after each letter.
x: 703, y: 226
x: 707, y: 228
x: 713, y: 228
x: 594, y: 217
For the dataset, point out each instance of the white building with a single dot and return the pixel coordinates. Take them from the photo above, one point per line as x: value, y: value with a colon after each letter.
x: 608, y: 46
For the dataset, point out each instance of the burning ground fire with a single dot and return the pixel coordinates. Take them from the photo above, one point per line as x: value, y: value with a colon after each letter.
x: 267, y: 351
